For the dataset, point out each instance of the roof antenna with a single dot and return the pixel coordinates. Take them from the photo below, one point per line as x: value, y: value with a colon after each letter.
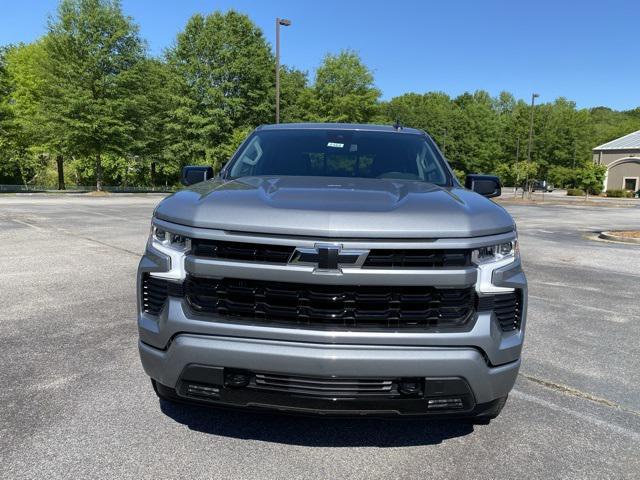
x: 397, y: 125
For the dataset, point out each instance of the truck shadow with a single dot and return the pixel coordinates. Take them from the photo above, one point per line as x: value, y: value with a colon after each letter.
x: 315, y: 431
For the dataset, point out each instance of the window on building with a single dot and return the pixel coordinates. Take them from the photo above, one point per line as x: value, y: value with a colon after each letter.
x: 631, y: 184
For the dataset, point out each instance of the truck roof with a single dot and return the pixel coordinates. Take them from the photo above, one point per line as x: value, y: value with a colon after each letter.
x: 339, y: 126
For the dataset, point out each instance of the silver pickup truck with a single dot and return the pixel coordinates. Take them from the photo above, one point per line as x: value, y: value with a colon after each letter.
x: 334, y: 269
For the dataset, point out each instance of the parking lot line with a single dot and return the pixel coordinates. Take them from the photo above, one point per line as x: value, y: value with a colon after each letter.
x: 575, y: 413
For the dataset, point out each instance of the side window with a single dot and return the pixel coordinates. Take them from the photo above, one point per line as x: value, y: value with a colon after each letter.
x: 248, y: 159
x: 429, y: 170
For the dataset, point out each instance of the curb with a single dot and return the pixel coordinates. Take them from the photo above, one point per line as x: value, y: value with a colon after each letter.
x: 618, y: 238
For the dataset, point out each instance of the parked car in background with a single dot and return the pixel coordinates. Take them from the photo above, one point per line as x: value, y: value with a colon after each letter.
x: 335, y: 269
x: 541, y: 186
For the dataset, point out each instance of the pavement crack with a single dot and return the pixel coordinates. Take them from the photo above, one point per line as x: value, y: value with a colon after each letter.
x: 574, y: 392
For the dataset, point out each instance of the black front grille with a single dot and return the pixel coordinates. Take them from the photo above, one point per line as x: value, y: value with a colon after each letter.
x: 318, y: 306
x: 377, y: 258
x: 154, y: 294
x: 333, y: 387
x: 418, y: 258
x: 507, y: 308
x: 250, y: 252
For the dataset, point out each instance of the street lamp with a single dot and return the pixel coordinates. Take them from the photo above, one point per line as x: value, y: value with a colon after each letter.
x: 285, y: 23
x: 515, y: 188
x: 533, y: 99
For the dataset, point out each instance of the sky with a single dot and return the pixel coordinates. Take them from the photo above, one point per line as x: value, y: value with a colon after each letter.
x: 587, y: 51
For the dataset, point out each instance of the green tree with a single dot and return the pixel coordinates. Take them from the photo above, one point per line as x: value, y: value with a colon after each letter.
x: 224, y: 81
x: 344, y: 89
x: 591, y: 178
x: 6, y: 116
x: 432, y: 112
x: 475, y: 132
x: 5, y: 85
x: 18, y: 160
x: 94, y: 79
x: 561, y: 176
x: 157, y: 106
x: 296, y: 97
x: 26, y: 66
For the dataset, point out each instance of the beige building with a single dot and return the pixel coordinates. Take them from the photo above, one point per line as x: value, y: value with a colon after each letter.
x: 622, y: 159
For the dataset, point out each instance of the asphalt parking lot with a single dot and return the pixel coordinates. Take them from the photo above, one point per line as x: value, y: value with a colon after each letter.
x: 75, y: 402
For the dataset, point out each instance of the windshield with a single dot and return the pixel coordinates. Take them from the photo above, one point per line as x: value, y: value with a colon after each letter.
x: 339, y: 153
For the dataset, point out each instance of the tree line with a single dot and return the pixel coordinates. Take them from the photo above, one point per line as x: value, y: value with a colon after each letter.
x: 86, y: 104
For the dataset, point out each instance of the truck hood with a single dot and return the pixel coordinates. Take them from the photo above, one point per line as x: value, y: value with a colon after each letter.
x: 335, y: 207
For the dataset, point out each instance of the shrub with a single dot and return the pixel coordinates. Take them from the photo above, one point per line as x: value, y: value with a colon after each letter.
x: 590, y: 178
x: 619, y: 193
x: 575, y: 192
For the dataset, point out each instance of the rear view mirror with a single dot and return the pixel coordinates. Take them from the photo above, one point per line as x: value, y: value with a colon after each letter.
x: 486, y: 185
x: 195, y: 174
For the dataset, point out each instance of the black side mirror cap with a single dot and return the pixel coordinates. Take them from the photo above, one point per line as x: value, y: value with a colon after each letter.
x: 195, y: 174
x: 486, y: 185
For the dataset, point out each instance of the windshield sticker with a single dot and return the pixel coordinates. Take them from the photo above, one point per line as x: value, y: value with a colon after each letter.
x: 335, y: 145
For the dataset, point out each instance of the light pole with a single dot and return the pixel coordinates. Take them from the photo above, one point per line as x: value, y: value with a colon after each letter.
x: 285, y: 23
x: 533, y: 100
x: 515, y: 188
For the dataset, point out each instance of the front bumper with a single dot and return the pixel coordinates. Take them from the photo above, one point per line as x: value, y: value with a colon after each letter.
x: 336, y: 361
x: 486, y: 358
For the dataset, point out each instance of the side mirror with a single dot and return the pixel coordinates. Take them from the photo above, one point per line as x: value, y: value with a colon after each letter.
x: 486, y: 185
x: 195, y: 174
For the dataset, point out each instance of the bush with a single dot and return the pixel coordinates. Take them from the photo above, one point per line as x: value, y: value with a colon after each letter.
x: 575, y: 192
x: 596, y: 189
x: 619, y: 193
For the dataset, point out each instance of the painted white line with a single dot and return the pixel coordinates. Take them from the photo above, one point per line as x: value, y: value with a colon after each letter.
x: 618, y: 318
x: 25, y: 223
x: 583, y: 416
x: 93, y: 212
x: 565, y: 285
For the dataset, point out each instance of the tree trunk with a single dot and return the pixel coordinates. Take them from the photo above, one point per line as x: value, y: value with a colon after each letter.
x: 22, y: 175
x: 153, y: 174
x: 98, y: 173
x: 59, y: 162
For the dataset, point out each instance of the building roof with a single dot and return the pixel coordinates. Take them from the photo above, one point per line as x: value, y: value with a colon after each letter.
x: 338, y: 126
x: 628, y: 142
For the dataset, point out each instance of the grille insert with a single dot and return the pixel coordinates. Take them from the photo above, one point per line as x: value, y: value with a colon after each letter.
x: 507, y: 307
x: 418, y: 258
x: 250, y: 252
x: 324, y: 386
x: 377, y: 258
x: 154, y: 294
x: 358, y: 307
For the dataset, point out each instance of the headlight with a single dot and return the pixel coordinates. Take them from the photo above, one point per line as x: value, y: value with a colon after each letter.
x: 160, y: 237
x: 496, y: 253
x: 489, y: 259
x: 172, y: 245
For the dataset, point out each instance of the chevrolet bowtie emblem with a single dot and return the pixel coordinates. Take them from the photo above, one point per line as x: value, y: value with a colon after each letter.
x: 328, y: 257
